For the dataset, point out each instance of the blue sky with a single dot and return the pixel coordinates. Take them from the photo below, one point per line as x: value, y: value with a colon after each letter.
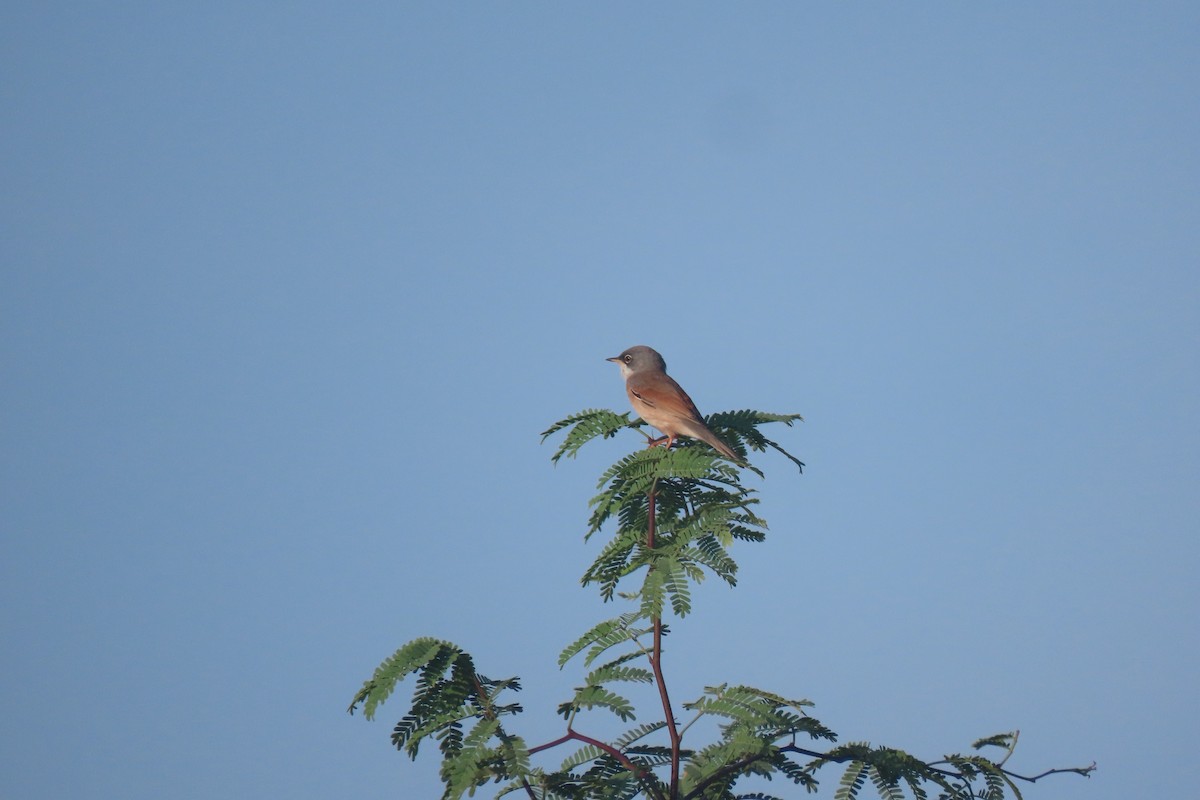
x: 290, y: 290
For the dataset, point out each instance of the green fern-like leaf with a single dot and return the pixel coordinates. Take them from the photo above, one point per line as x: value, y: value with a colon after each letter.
x: 712, y: 771
x: 601, y: 631
x: 777, y: 699
x: 851, y: 782
x: 515, y: 752
x: 1002, y: 740
x: 799, y: 775
x: 888, y: 788
x: 585, y: 426
x: 619, y: 558
x: 994, y: 785
x: 709, y: 552
x: 470, y: 769
x: 625, y: 658
x: 742, y: 427
x: 629, y: 635
x: 584, y: 755
x: 756, y: 709
x: 653, y: 592
x: 608, y: 778
x: 606, y: 673
x: 689, y: 462
x: 1011, y: 785
x: 746, y: 534
x: 964, y: 764
x: 413, y: 728
x: 599, y: 697
x: 415, y: 655
x: 640, y: 732
x: 631, y: 479
x: 604, y: 635
x: 675, y: 582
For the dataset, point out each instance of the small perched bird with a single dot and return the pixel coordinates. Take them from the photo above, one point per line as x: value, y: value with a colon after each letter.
x: 662, y: 402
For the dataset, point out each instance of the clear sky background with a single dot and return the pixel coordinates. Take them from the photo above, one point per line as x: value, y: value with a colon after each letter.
x: 290, y: 289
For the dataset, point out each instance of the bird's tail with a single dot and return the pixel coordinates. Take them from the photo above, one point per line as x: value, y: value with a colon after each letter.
x: 714, y: 441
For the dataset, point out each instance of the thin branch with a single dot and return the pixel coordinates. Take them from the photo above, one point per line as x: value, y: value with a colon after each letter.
x: 1012, y: 745
x: 1084, y: 771
x: 668, y: 715
x: 560, y: 740
x: 724, y: 772
x: 642, y: 773
x: 693, y: 721
x: 949, y: 773
x: 656, y: 662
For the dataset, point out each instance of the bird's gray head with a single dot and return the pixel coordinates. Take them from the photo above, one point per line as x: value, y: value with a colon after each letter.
x: 639, y: 359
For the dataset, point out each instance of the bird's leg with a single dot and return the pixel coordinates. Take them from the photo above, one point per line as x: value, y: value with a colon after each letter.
x: 670, y: 440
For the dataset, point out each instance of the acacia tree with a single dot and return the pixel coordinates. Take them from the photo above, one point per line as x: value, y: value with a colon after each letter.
x: 674, y: 515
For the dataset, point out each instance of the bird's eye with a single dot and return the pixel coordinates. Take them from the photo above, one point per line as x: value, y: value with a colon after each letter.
x: 628, y: 359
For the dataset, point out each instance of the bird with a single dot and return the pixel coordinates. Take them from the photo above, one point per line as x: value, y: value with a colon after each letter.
x: 662, y: 402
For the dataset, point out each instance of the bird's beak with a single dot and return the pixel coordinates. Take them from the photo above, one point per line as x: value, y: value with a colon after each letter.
x: 614, y: 358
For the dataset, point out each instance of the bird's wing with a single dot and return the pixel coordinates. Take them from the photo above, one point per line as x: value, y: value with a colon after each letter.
x: 664, y: 395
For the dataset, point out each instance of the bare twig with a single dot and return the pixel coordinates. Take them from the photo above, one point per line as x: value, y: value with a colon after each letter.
x: 949, y: 773
x: 1084, y: 771
x: 1012, y: 745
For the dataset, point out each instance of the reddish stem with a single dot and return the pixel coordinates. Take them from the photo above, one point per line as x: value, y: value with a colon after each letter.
x: 637, y: 770
x: 656, y: 664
